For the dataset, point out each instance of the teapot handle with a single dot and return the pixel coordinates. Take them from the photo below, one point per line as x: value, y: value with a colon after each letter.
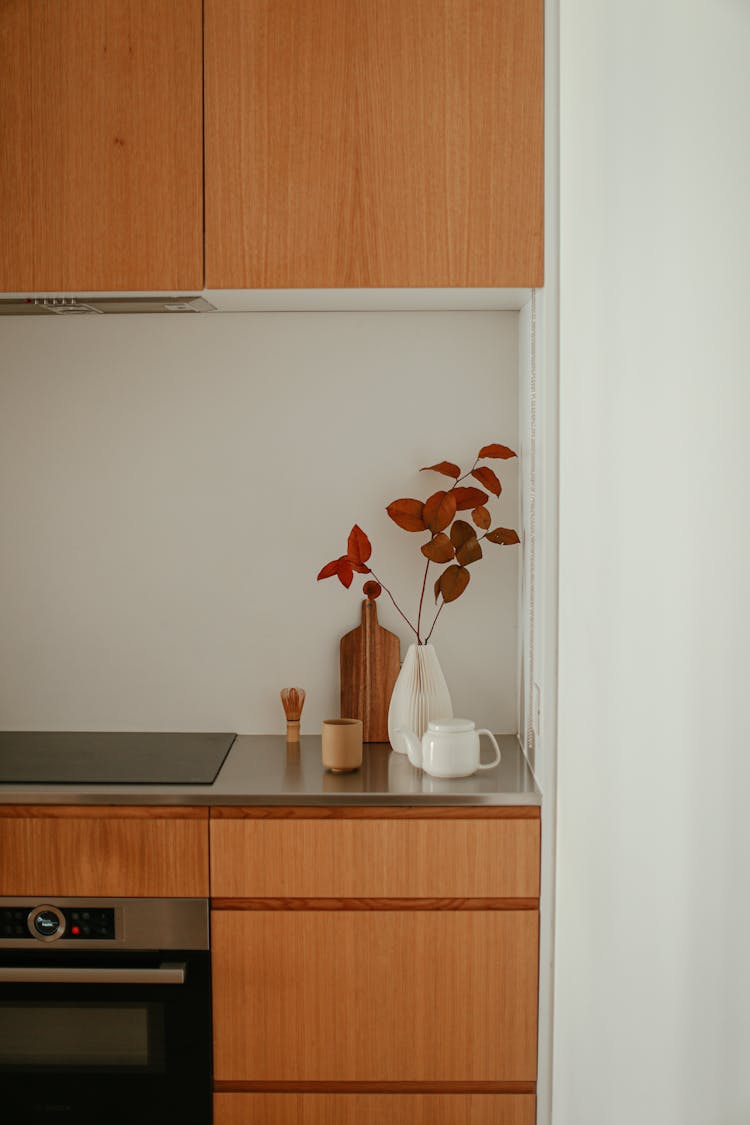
x: 492, y: 739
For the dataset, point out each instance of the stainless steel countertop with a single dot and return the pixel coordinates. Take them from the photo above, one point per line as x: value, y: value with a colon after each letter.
x: 266, y: 770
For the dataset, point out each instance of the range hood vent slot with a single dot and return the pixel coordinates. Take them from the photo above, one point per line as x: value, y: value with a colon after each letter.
x: 117, y: 305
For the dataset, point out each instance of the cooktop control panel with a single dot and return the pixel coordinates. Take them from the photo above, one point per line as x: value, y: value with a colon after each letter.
x: 46, y: 922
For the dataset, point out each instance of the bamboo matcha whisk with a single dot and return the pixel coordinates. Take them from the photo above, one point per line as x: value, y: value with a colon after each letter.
x: 293, y: 700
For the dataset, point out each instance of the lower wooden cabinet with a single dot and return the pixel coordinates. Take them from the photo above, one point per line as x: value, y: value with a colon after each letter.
x: 375, y: 996
x: 103, y: 851
x: 374, y: 1109
x: 375, y: 965
x: 327, y: 853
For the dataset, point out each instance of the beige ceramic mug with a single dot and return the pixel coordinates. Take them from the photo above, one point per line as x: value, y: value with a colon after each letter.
x: 342, y: 744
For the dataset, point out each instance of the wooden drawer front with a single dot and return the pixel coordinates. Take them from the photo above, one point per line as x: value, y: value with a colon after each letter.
x: 422, y: 996
x: 257, y: 858
x: 374, y: 1109
x: 104, y: 852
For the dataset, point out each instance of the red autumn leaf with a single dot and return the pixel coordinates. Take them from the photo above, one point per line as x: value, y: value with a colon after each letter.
x: 408, y: 514
x: 488, y: 478
x: 464, y: 539
x: 461, y: 533
x: 345, y: 572
x: 358, y: 548
x: 504, y: 535
x: 482, y: 518
x: 447, y: 468
x: 439, y: 510
x: 439, y: 549
x: 467, y: 498
x: 495, y: 450
x: 372, y: 590
x: 469, y: 553
x: 329, y: 570
x: 452, y: 583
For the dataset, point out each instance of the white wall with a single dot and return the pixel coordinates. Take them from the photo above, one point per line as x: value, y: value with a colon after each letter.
x: 170, y: 487
x: 653, y: 916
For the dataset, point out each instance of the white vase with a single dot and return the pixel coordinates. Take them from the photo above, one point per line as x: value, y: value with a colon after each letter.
x: 420, y: 694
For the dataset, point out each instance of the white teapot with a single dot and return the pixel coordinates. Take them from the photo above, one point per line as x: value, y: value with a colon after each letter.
x: 449, y: 748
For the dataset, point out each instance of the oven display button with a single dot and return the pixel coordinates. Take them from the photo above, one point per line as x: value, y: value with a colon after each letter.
x: 46, y: 923
x: 94, y: 924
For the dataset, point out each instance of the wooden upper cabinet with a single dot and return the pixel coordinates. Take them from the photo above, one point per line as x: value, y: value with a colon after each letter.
x: 101, y: 186
x: 369, y: 143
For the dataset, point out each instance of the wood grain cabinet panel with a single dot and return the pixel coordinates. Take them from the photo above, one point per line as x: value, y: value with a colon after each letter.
x: 102, y: 852
x: 382, y: 997
x: 261, y: 857
x: 102, y: 158
x: 366, y: 143
x: 374, y: 1109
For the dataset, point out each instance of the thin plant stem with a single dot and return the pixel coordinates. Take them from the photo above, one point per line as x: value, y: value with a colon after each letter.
x: 434, y: 623
x: 421, y: 599
x: 440, y: 607
x: 395, y: 604
x: 426, y: 569
x: 459, y: 479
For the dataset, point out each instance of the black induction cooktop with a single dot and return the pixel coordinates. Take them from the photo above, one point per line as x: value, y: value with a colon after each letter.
x: 111, y: 758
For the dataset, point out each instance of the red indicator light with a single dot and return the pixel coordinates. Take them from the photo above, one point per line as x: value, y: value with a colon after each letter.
x: 75, y: 930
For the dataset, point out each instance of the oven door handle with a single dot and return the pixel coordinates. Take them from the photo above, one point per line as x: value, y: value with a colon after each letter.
x: 167, y: 973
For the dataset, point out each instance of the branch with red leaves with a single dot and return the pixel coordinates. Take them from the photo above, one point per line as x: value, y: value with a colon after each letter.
x: 452, y: 541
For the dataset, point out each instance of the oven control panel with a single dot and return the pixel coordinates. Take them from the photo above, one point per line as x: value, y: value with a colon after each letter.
x: 46, y: 922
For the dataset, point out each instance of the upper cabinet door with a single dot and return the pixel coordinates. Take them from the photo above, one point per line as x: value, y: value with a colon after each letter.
x: 101, y: 127
x: 367, y: 143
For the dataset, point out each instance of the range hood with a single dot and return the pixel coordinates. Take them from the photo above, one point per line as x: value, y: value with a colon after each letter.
x: 119, y: 303
x: 265, y: 300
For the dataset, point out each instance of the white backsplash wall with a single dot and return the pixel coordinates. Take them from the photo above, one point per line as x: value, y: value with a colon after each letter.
x: 170, y: 487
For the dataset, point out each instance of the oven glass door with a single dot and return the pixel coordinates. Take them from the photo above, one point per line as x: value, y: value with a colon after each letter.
x: 100, y: 1036
x: 120, y: 1037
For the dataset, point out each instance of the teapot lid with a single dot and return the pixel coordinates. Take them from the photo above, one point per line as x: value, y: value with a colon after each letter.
x: 450, y: 726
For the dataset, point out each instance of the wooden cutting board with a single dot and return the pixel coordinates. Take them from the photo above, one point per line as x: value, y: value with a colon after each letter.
x: 370, y: 661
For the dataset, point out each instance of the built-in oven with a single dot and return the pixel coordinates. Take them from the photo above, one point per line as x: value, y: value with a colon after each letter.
x: 105, y: 1011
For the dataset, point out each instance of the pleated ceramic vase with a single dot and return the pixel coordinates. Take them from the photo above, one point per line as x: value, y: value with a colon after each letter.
x: 420, y: 694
